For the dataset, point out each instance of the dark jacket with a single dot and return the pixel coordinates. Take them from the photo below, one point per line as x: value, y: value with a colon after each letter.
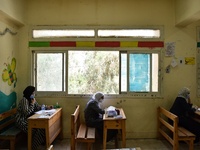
x: 181, y: 108
x: 93, y: 113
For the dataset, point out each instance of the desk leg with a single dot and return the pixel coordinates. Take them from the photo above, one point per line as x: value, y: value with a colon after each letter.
x: 104, y: 137
x: 47, y: 137
x: 123, y: 134
x: 29, y: 137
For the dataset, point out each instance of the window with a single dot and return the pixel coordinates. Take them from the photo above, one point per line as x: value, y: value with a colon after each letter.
x: 64, y: 66
x: 112, y: 72
x: 49, y: 72
x: 62, y: 33
x: 136, y: 33
x: 92, y: 70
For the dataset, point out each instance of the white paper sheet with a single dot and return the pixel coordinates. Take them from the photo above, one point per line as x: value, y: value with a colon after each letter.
x: 46, y: 111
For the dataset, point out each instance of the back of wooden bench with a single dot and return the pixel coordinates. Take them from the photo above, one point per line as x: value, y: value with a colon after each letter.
x: 8, y: 130
x: 163, y: 116
x: 9, y: 115
x: 75, y: 122
x: 179, y: 133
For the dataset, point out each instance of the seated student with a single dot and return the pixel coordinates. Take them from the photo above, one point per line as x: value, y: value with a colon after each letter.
x: 27, y: 107
x: 94, y: 116
x: 182, y: 107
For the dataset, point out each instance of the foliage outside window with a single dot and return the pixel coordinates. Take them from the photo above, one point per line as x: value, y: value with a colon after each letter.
x: 112, y: 72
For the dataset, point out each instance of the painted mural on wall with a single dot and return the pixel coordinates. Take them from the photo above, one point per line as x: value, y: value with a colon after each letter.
x: 8, y: 101
x: 9, y: 74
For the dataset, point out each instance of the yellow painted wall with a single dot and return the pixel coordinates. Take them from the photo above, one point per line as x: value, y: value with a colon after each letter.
x: 141, y: 113
x: 12, y: 9
x: 187, y: 11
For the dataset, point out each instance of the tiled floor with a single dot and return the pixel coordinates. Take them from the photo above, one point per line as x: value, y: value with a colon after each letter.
x: 144, y: 144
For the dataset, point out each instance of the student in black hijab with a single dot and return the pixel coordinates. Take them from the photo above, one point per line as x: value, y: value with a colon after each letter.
x: 27, y: 107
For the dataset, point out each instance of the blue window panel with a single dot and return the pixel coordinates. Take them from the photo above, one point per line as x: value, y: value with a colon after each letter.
x: 139, y: 73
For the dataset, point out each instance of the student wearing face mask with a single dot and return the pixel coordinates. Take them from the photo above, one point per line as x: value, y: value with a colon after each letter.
x: 94, y: 115
x: 182, y: 107
x: 27, y: 107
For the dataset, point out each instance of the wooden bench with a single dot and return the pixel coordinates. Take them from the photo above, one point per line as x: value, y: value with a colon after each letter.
x: 8, y: 131
x: 80, y: 132
x: 172, y: 132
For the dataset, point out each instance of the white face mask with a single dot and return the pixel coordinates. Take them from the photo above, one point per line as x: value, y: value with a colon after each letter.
x: 101, y: 100
x: 188, y: 96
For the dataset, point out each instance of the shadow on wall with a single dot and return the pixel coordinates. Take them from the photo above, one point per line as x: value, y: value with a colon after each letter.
x: 7, y: 102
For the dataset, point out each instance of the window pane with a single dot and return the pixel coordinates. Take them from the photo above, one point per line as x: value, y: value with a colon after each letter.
x: 92, y: 71
x: 155, y: 72
x: 139, y: 73
x: 62, y: 33
x: 123, y: 72
x: 138, y: 33
x: 49, y: 72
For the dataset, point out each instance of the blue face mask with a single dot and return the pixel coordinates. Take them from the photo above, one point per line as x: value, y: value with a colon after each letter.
x: 32, y: 96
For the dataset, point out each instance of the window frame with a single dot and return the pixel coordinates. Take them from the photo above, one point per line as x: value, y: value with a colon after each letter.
x: 128, y: 93
x: 96, y: 37
x: 198, y: 62
x: 160, y: 73
x: 151, y: 95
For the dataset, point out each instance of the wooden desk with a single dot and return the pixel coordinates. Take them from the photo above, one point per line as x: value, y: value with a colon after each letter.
x: 112, y: 123
x: 52, y: 125
x: 197, y: 116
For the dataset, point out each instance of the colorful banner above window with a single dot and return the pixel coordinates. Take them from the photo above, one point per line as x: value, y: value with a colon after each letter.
x: 150, y: 44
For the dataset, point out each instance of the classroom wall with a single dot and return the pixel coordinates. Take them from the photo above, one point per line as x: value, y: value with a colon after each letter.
x: 186, y: 12
x: 140, y: 113
x: 11, y: 17
x: 8, y: 68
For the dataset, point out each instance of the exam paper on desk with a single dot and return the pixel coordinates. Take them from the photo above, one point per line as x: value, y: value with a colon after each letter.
x: 111, y: 111
x: 46, y: 111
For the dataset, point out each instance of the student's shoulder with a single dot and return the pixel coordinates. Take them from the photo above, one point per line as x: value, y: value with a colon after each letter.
x: 92, y: 102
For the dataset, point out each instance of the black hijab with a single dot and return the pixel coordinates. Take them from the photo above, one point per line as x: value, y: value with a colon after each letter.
x: 28, y: 92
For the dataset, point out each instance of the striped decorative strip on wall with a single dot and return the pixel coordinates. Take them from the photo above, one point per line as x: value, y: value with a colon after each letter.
x: 113, y: 44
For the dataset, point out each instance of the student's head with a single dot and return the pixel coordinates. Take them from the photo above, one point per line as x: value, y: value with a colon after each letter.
x: 98, y: 96
x: 29, y: 90
x: 185, y: 93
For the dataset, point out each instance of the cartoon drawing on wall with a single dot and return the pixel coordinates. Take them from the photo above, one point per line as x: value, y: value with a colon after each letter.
x: 189, y: 60
x: 9, y: 74
x: 7, y: 102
